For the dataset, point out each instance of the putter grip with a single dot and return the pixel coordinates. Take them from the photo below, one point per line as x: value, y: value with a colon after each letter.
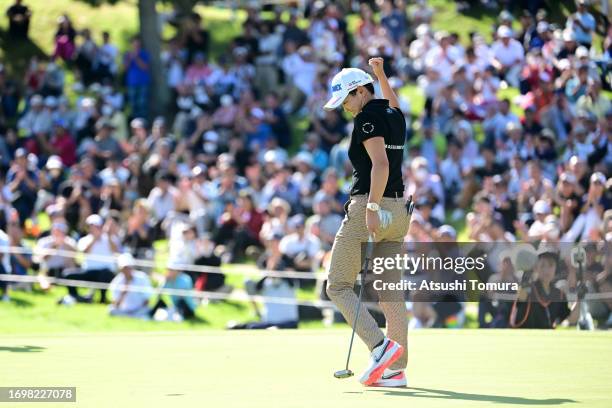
x: 369, y: 249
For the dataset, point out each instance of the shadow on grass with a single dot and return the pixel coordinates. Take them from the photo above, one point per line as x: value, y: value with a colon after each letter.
x: 22, y: 349
x: 21, y: 303
x: 17, y: 53
x: 462, y: 396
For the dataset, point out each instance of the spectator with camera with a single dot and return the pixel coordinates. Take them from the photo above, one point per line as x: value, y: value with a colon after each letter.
x: 540, y: 304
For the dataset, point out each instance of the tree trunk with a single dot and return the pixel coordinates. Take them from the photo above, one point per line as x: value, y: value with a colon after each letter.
x: 151, y: 40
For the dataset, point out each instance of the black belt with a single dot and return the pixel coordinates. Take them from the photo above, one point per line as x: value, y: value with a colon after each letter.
x: 396, y: 194
x: 388, y: 194
x: 393, y: 194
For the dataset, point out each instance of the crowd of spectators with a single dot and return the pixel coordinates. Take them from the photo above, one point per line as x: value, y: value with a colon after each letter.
x: 224, y: 177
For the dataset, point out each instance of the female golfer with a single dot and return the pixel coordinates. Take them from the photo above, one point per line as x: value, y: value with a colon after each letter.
x: 376, y: 207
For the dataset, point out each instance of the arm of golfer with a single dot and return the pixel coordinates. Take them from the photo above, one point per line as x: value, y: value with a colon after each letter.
x: 375, y: 147
x: 385, y: 88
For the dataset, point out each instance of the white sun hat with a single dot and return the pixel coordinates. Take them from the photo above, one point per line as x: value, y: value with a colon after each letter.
x: 344, y: 82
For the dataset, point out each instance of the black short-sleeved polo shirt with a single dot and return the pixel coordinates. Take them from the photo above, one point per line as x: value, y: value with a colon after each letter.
x: 378, y: 119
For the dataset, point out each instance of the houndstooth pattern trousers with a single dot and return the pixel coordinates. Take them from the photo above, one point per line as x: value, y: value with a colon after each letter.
x: 346, y: 263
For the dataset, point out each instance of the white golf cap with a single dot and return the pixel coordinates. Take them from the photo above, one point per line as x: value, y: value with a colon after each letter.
x: 54, y: 162
x: 598, y: 177
x: 94, y: 219
x: 582, y: 52
x: 344, y: 82
x: 125, y: 260
x: 447, y: 230
x: 541, y: 207
x: 542, y: 27
x: 504, y: 32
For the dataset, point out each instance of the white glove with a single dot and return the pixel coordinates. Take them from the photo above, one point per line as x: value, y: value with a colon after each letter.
x: 385, y: 217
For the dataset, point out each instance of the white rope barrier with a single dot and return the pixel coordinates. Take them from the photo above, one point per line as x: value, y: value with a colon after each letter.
x: 145, y: 263
x: 234, y: 296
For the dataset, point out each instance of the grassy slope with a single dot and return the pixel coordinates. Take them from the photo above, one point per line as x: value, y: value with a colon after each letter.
x: 294, y: 369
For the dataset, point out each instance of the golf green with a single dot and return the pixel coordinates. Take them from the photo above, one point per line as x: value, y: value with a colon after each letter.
x: 447, y: 368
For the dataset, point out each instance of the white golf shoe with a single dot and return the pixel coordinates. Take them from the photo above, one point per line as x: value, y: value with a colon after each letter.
x: 391, y: 378
x: 381, y: 358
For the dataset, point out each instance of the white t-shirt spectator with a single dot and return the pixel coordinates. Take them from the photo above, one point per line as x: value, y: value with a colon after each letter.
x: 101, y: 247
x: 278, y: 312
x: 121, y: 173
x: 443, y: 61
x: 292, y: 244
x: 508, y: 55
x: 133, y: 300
x: 54, y: 261
x: 161, y: 203
x: 301, y: 72
x: 418, y: 51
x: 108, y: 56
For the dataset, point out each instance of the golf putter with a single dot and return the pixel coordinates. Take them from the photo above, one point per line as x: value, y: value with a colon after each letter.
x: 346, y: 373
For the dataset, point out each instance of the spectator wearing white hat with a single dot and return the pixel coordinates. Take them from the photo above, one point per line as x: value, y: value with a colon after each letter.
x: 583, y: 57
x: 23, y: 184
x: 541, y: 209
x: 589, y: 221
x: 51, y: 179
x: 508, y: 56
x: 98, y: 248
x: 443, y: 57
x: 132, y: 301
x: 53, y: 264
x: 37, y: 119
x: 300, y: 248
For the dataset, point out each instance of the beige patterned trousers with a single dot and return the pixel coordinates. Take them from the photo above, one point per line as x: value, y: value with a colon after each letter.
x: 345, y: 266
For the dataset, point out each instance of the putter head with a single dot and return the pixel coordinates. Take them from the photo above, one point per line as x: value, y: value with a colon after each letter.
x: 343, y: 374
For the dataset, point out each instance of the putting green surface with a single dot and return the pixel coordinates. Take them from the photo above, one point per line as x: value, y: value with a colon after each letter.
x: 466, y: 368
